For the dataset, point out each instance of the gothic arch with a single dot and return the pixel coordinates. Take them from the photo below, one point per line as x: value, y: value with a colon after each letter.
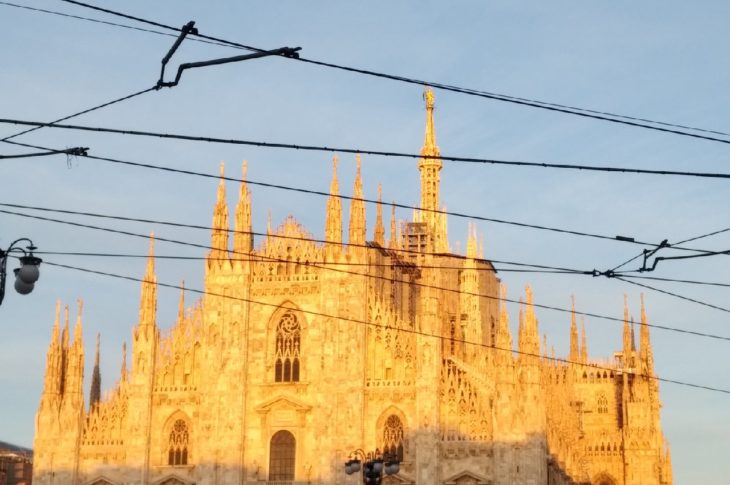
x: 102, y: 480
x: 176, y: 441
x: 282, y: 456
x: 391, y: 430
x: 603, y: 478
x: 286, y: 338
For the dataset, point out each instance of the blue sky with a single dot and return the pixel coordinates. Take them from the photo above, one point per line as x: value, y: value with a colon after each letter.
x: 659, y: 60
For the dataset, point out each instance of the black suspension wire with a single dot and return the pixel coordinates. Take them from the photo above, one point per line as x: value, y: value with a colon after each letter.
x: 653, y: 288
x: 713, y: 233
x: 265, y: 259
x: 372, y: 201
x: 587, y: 113
x: 339, y: 270
x: 113, y: 24
x: 77, y: 151
x: 380, y: 325
x: 291, y: 146
x: 254, y: 259
x: 88, y: 110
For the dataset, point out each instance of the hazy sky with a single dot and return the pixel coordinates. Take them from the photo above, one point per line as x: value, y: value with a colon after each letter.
x: 659, y: 60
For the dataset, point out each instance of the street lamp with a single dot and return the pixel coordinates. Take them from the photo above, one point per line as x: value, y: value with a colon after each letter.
x: 27, y: 274
x: 373, y: 465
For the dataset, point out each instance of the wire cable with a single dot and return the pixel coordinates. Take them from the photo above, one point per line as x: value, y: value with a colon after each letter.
x: 713, y: 233
x: 372, y: 201
x: 383, y: 278
x: 255, y: 259
x: 367, y: 323
x: 88, y: 110
x: 291, y: 146
x: 77, y: 151
x: 113, y: 24
x: 710, y: 305
x: 588, y: 113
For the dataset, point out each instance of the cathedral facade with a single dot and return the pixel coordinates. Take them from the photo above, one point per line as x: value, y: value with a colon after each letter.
x: 302, y: 350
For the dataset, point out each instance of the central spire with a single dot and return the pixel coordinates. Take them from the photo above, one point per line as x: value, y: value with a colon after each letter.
x: 430, y: 163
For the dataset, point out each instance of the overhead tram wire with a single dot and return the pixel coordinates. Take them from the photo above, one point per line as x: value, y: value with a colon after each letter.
x: 366, y: 275
x: 381, y: 325
x: 291, y: 146
x: 77, y: 151
x: 401, y: 252
x: 113, y: 24
x: 372, y: 201
x: 583, y: 112
x: 266, y: 259
x: 659, y: 290
x: 256, y: 259
x: 88, y: 110
x: 713, y: 233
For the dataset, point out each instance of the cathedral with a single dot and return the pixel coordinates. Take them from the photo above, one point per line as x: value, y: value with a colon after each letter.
x: 302, y: 350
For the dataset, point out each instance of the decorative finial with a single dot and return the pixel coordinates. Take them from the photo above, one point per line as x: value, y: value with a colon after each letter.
x: 245, y: 170
x: 429, y: 98
x: 222, y: 168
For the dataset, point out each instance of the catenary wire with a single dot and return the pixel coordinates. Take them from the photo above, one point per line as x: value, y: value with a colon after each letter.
x: 255, y: 259
x: 367, y: 323
x: 372, y: 201
x: 713, y: 233
x: 675, y: 280
x: 588, y: 113
x: 710, y: 305
x: 291, y: 146
x: 209, y: 228
x: 265, y: 259
x: 69, y: 151
x: 339, y: 270
x: 230, y: 231
x: 88, y: 110
x: 114, y: 24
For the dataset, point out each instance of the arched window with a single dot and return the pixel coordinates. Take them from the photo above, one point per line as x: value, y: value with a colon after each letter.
x: 281, y: 456
x: 177, y: 451
x: 288, y: 335
x: 602, y: 403
x: 393, y: 437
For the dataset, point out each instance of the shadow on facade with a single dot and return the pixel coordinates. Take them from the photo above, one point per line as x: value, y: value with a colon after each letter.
x: 426, y: 459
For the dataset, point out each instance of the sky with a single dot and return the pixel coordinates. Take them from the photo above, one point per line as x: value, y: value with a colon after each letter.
x: 656, y: 60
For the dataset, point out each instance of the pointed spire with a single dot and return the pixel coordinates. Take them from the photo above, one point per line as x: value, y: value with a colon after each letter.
x: 633, y: 338
x: 429, y: 143
x: 357, y: 209
x: 219, y: 235
x: 583, y: 344
x: 481, y: 246
x: 379, y: 232
x: 181, y: 304
x: 644, y: 341
x: 393, y: 243
x: 627, y: 333
x: 95, y: 389
x: 269, y: 230
x: 429, y: 166
x: 56, y: 335
x: 504, y: 336
x: 148, y: 297
x: 574, y: 351
x: 471, y: 241
x: 333, y: 220
x: 66, y: 329
x: 242, y: 238
x: 124, y: 362
x: 79, y: 328
x: 529, y: 337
